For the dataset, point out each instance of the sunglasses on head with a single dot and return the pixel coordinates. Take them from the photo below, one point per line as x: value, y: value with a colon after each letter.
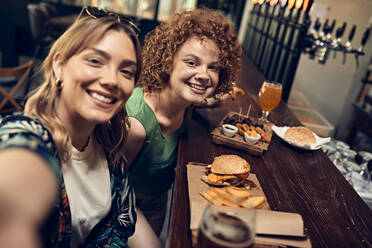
x: 96, y: 12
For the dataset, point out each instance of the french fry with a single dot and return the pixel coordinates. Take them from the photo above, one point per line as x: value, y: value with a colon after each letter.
x: 238, y: 192
x: 225, y: 198
x: 210, y: 198
x: 233, y: 197
x: 264, y: 136
x: 256, y: 202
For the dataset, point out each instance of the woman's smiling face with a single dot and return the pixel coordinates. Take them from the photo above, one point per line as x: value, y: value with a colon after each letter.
x: 98, y: 81
x: 195, y: 73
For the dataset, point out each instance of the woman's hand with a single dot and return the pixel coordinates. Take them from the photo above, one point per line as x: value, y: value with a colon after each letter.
x: 218, y: 99
x: 28, y: 190
x: 17, y: 231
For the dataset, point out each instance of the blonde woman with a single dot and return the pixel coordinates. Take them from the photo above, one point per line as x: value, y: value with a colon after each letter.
x: 69, y: 143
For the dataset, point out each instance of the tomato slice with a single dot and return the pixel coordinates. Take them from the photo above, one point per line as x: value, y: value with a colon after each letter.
x: 243, y: 176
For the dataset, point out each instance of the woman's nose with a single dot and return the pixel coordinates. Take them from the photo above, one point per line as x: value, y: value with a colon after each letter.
x: 109, y: 78
x: 202, y: 75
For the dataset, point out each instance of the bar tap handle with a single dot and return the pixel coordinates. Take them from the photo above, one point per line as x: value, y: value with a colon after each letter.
x: 348, y: 43
x: 312, y: 41
x: 351, y: 36
x: 316, y: 28
x: 330, y: 31
x: 343, y: 28
x: 323, y: 30
x: 336, y: 43
x: 323, y: 51
x: 317, y: 25
x: 364, y: 40
x: 360, y: 50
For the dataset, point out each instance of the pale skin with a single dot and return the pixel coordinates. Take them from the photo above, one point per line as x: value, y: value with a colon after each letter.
x: 27, y: 192
x: 194, y: 77
x: 100, y: 79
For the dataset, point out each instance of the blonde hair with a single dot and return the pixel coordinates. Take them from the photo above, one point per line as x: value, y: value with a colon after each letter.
x: 162, y: 44
x: 42, y: 103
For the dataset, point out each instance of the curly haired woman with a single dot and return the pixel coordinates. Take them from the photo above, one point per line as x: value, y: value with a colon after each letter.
x: 193, y: 56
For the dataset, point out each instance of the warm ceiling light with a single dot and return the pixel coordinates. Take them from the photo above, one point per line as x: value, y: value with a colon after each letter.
x: 261, y: 1
x: 274, y: 2
x: 283, y: 3
x: 291, y: 3
x: 299, y: 3
x: 306, y: 3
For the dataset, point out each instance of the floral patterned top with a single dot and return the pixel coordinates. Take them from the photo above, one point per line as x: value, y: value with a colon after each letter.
x: 113, y: 230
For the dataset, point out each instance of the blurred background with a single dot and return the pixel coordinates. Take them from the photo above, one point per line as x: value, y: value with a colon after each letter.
x: 327, y: 88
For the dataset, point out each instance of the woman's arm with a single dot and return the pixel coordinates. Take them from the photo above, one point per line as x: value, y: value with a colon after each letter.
x: 136, y: 137
x: 144, y: 236
x: 27, y: 192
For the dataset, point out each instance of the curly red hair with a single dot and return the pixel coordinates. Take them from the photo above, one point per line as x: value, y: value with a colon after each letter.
x: 164, y: 41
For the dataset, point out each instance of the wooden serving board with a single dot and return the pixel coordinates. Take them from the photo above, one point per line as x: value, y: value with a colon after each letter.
x: 238, y: 141
x: 199, y: 203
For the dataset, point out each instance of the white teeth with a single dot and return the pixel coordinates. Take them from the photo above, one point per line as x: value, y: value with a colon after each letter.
x: 101, y: 98
x: 197, y: 86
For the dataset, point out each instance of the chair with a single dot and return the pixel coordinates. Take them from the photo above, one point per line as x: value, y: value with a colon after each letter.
x: 14, y: 86
x: 54, y: 24
x: 38, y: 27
x: 49, y: 10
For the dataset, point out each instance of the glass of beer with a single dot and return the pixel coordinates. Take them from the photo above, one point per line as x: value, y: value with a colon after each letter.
x: 226, y: 228
x: 269, y: 97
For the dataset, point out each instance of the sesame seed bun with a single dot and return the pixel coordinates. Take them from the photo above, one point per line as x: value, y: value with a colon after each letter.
x: 230, y: 165
x: 301, y: 135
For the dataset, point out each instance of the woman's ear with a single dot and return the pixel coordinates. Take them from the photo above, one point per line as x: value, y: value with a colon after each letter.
x: 58, y: 66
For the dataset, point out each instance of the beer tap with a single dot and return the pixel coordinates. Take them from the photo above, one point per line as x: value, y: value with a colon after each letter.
x: 323, y: 30
x: 336, y: 43
x: 324, y: 50
x: 348, y: 43
x: 315, y: 31
x: 313, y: 39
x: 330, y: 31
x: 320, y: 43
x: 360, y: 50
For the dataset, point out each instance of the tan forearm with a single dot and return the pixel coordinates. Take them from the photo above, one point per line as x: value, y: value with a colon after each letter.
x: 27, y: 185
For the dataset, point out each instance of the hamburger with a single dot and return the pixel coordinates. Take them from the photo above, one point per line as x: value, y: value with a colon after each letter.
x: 301, y: 135
x: 228, y: 170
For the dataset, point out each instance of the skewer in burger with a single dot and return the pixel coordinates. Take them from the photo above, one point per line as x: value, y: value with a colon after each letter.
x: 228, y: 170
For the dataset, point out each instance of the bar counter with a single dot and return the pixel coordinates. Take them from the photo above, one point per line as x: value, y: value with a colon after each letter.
x: 304, y: 182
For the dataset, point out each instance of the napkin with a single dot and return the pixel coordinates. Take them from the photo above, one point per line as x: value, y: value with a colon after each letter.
x: 280, y: 131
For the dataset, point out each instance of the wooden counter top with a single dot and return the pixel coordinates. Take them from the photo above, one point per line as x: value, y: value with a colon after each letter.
x: 305, y: 182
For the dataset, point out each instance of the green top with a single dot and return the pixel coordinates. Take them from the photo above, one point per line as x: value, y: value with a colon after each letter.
x: 152, y: 171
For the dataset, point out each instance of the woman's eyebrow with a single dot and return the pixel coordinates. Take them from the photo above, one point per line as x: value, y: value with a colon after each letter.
x: 198, y: 59
x: 100, y: 52
x: 192, y: 55
x: 125, y: 62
